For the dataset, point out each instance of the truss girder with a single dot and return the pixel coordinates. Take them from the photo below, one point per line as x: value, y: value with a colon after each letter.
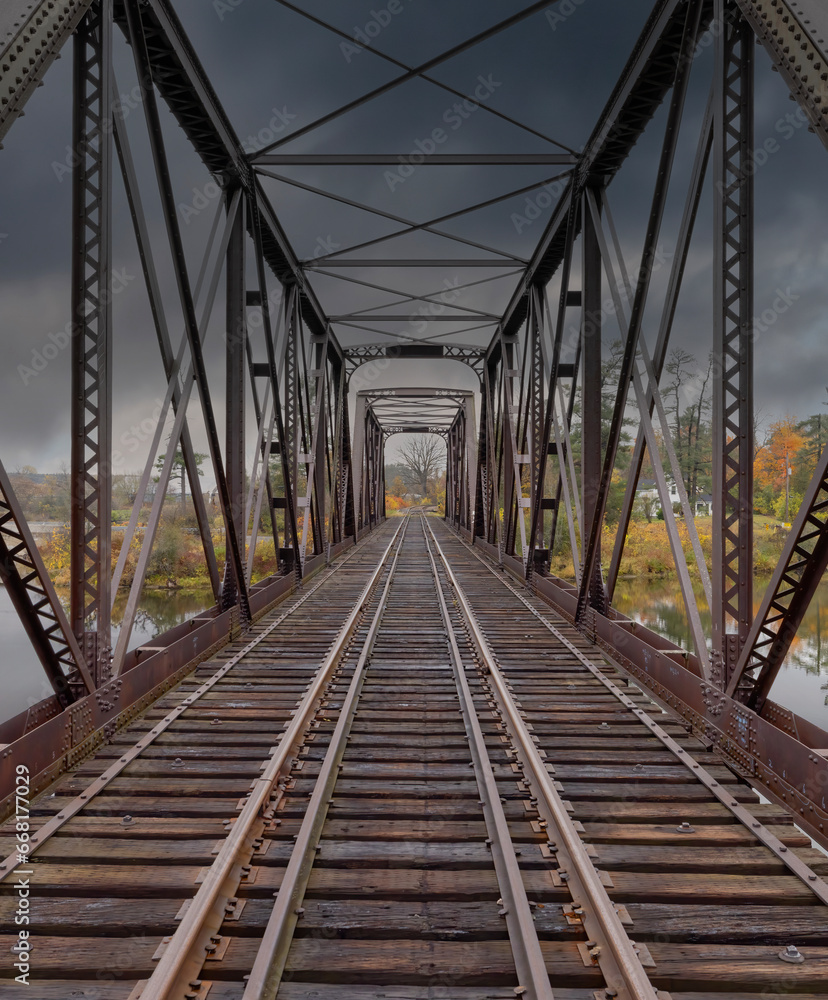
x: 795, y: 34
x: 733, y: 335
x: 789, y: 593
x: 31, y: 36
x: 91, y: 421
x: 27, y: 582
x: 645, y: 81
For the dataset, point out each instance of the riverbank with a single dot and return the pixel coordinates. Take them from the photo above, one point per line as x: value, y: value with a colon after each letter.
x: 647, y: 551
x: 176, y: 564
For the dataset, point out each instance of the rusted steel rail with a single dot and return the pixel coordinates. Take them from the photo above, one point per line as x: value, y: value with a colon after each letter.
x: 414, y: 782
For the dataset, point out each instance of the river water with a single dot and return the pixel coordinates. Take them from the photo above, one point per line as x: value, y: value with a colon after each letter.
x: 22, y: 678
x: 802, y: 684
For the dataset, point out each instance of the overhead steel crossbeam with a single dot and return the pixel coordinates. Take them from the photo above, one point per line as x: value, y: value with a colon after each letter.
x: 434, y: 160
x: 410, y: 226
x: 362, y: 354
x: 413, y: 227
x: 438, y: 263
x: 448, y: 290
x: 411, y: 73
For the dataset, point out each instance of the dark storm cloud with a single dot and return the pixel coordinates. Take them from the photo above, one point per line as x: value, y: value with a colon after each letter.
x: 276, y: 73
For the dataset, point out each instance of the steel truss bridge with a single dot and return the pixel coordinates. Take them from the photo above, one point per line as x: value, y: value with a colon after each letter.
x: 358, y: 598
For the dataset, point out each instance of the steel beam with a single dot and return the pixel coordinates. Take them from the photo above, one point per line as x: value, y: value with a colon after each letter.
x: 27, y: 582
x: 732, y: 337
x: 162, y: 333
x: 433, y: 160
x: 536, y: 526
x: 646, y: 79
x: 142, y: 62
x: 681, y: 72
x: 236, y: 374
x: 591, y: 401
x: 795, y: 35
x: 31, y: 37
x: 91, y: 419
x: 687, y: 226
x: 410, y: 73
x: 795, y: 580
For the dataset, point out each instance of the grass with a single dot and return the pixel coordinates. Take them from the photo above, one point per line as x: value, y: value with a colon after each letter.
x: 647, y: 551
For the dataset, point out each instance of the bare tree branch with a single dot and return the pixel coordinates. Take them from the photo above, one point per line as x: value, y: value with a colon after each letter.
x: 421, y: 458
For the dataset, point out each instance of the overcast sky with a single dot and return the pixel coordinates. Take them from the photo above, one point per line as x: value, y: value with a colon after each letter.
x: 276, y: 73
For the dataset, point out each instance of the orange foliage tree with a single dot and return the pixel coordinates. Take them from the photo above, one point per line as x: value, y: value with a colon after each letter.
x: 772, y: 462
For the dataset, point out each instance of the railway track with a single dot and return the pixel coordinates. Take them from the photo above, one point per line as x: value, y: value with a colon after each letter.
x: 413, y: 781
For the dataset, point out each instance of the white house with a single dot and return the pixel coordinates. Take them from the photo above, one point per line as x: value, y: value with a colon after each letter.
x: 647, y: 495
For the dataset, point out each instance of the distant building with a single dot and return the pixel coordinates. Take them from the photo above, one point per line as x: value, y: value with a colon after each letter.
x: 647, y: 496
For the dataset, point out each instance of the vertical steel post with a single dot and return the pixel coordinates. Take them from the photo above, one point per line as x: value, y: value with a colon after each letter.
x: 236, y: 373
x: 470, y: 448
x: 347, y: 476
x: 290, y: 443
x: 482, y: 480
x: 358, y: 461
x: 91, y: 420
x: 591, y: 451
x: 537, y: 414
x: 732, y: 337
x: 320, y: 443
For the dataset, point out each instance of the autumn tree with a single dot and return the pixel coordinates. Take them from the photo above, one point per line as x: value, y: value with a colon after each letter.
x: 397, y: 487
x: 770, y: 470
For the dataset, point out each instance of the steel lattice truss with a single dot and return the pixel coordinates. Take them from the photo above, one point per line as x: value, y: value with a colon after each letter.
x: 328, y: 325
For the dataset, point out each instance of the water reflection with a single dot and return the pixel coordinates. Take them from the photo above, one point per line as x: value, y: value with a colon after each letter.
x: 160, y: 611
x: 803, y: 681
x: 21, y: 675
